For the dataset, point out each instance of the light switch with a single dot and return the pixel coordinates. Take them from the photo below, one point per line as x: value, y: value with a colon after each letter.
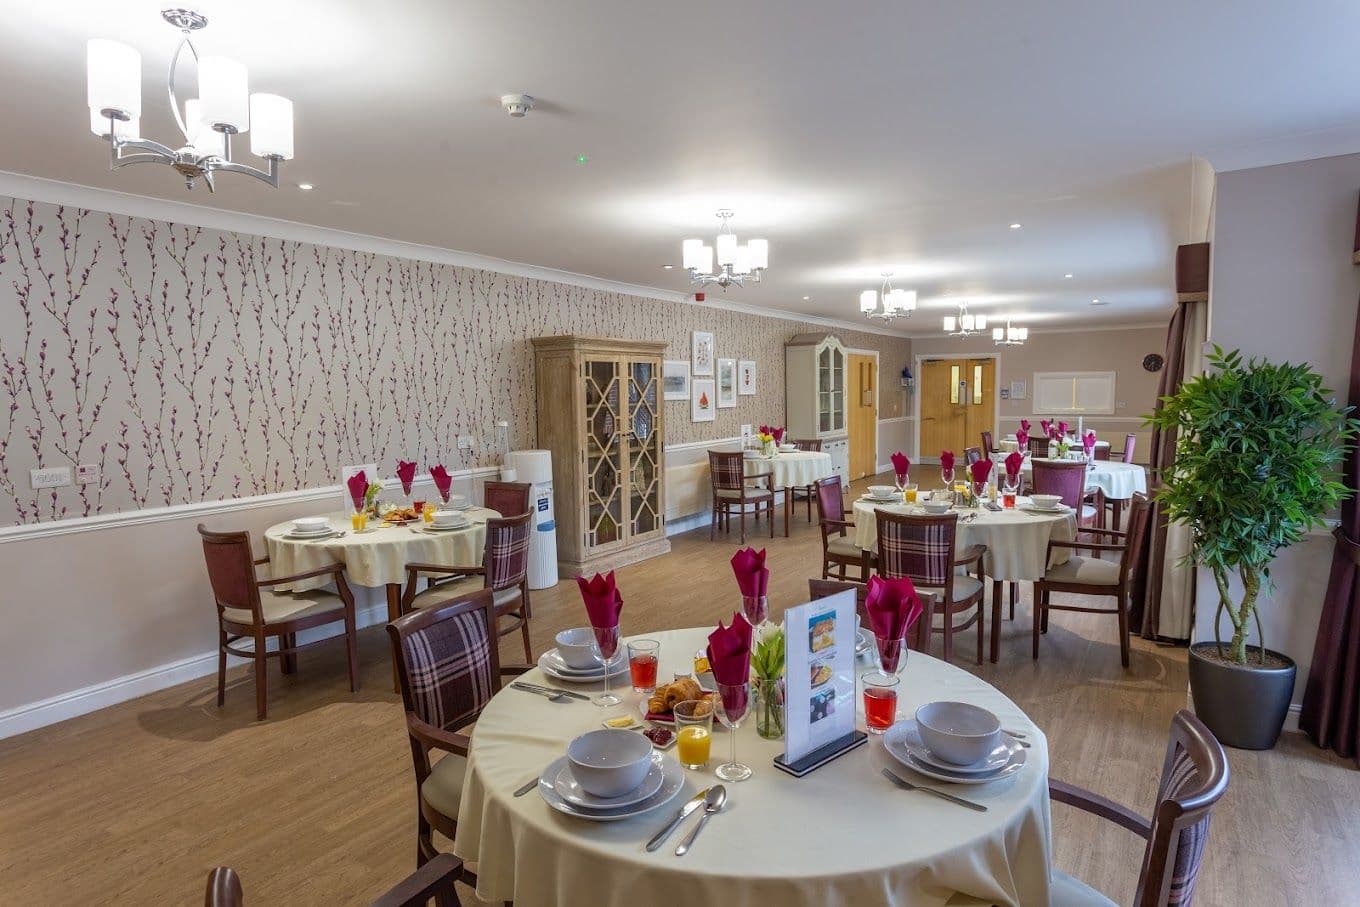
x: 87, y: 473
x: 56, y: 477
x: 465, y: 442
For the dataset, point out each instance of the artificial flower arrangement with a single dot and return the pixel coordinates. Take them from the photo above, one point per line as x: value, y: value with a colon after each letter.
x: 767, y: 666
x: 770, y: 437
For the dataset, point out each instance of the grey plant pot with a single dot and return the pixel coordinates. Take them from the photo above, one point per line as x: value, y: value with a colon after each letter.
x: 1245, y: 706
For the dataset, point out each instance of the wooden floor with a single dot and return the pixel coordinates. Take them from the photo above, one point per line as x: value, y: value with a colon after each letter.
x: 134, y: 804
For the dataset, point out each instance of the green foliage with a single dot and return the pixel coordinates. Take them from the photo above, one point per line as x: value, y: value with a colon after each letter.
x: 768, y: 658
x: 1258, y: 452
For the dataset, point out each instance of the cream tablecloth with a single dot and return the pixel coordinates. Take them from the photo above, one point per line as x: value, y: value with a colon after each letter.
x: 1016, y: 540
x: 377, y: 557
x: 793, y: 470
x: 842, y: 835
x: 1008, y: 444
x: 1119, y: 481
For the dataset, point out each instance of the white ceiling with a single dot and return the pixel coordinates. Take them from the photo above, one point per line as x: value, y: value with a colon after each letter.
x: 857, y: 137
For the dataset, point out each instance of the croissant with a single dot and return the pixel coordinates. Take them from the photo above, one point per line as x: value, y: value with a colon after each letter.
x: 665, y: 697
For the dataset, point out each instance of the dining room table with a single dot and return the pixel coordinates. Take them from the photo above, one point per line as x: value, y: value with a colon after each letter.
x: 1118, y: 481
x: 842, y: 834
x: 789, y: 470
x: 1016, y: 540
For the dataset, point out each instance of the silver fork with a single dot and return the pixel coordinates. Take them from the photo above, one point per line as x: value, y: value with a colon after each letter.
x: 907, y: 785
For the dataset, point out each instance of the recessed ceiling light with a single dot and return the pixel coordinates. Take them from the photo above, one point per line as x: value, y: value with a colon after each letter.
x: 306, y: 187
x: 667, y: 267
x: 1067, y: 277
x: 806, y: 298
x: 1015, y: 226
x: 1098, y: 302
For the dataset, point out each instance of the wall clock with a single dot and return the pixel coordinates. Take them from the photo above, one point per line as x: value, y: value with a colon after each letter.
x: 1153, y: 362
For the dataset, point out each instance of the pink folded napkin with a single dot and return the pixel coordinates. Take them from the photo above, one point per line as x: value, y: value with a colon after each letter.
x: 1022, y: 440
x: 893, y: 608
x: 358, y: 487
x: 946, y: 460
x: 1046, y: 427
x: 980, y: 470
x: 442, y: 480
x: 602, y: 600
x: 762, y: 429
x: 778, y: 434
x: 1062, y: 429
x: 753, y: 577
x: 1013, y: 463
x: 729, y: 657
x: 900, y: 467
x: 1024, y: 425
x: 406, y: 472
x: 1088, y: 442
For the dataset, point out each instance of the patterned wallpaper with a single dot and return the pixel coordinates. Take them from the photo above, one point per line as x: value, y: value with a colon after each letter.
x: 190, y: 364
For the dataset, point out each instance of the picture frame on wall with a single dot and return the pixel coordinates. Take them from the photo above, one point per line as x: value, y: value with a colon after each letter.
x: 703, y: 405
x: 675, y: 379
x: 746, y: 377
x: 703, y: 353
x: 727, y: 383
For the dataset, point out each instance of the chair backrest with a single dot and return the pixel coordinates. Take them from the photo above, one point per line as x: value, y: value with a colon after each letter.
x: 1129, y: 442
x: 506, y: 558
x: 1100, y: 452
x: 830, y: 498
x: 1194, y: 778
x: 971, y: 455
x: 921, y: 547
x: 1038, y: 446
x: 231, y: 570
x: 987, y: 445
x: 506, y: 498
x: 726, y: 470
x: 916, y: 639
x: 811, y: 444
x: 433, y: 880
x: 1140, y: 510
x: 1061, y: 477
x: 448, y: 663
x: 224, y: 888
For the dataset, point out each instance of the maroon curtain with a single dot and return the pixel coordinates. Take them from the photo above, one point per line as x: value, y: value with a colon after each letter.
x: 1331, y: 700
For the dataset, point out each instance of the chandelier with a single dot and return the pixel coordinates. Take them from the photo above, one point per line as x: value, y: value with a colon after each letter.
x: 887, y: 303
x: 223, y: 108
x: 965, y: 324
x: 735, y: 263
x: 1009, y: 336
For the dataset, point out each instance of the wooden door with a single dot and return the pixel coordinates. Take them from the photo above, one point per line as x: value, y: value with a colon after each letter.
x: 958, y: 403
x: 862, y: 410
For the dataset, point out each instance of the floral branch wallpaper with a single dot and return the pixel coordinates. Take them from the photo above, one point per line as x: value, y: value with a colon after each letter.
x: 189, y: 364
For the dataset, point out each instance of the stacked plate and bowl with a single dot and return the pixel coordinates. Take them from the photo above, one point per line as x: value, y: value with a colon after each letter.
x: 577, y: 659
x: 883, y: 494
x: 311, y: 527
x: 608, y: 775
x: 955, y: 742
x: 447, y: 521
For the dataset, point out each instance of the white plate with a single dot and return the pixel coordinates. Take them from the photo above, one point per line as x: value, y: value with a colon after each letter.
x: 672, y: 782
x: 864, y: 640
x: 568, y: 789
x: 1035, y: 508
x: 994, y: 761
x: 325, y: 533
x: 888, y: 500
x: 434, y: 527
x: 560, y: 665
x: 895, y: 744
x: 547, y: 665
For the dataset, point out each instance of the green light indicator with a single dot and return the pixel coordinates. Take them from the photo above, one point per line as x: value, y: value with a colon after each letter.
x: 582, y: 159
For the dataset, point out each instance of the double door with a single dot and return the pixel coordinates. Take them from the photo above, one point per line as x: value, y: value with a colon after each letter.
x: 622, y: 457
x: 958, y: 403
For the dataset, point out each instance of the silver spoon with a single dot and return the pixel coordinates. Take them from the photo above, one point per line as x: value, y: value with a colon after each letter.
x: 717, y: 796
x: 552, y: 697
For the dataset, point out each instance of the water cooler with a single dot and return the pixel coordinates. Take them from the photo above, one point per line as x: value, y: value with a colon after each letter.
x: 535, y: 468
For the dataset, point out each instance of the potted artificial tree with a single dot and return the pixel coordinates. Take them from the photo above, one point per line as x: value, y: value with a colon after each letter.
x: 1258, y: 449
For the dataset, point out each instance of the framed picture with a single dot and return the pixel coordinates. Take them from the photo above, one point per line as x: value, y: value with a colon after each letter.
x: 727, y: 383
x: 703, y: 353
x: 746, y: 377
x: 675, y: 379
x: 702, y: 405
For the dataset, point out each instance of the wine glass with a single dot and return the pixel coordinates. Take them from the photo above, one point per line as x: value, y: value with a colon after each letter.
x: 755, y: 608
x: 607, y: 644
x: 1010, y: 490
x: 733, y: 699
x: 890, y: 654
x: 947, y: 476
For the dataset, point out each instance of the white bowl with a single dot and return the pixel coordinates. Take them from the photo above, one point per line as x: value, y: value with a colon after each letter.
x: 958, y: 732
x: 310, y: 524
x: 1045, y: 501
x: 788, y: 448
x: 937, y: 507
x: 751, y: 453
x: 577, y: 648
x: 458, y: 500
x: 449, y: 518
x: 882, y: 491
x: 609, y: 762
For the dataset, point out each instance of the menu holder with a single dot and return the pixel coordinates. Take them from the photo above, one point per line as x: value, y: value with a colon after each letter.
x: 368, y: 469
x: 819, y: 683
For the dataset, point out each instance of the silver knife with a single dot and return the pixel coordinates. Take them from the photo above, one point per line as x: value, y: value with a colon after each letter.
x: 528, y: 786
x: 695, y: 802
x: 544, y: 687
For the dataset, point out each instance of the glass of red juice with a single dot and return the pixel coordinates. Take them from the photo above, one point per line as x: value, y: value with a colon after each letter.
x: 643, y: 657
x: 880, y: 701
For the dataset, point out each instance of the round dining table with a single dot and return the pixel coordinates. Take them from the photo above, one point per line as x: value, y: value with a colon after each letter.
x: 790, y: 470
x: 842, y: 834
x: 1118, y: 481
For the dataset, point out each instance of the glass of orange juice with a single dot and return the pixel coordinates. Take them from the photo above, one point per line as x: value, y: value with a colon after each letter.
x: 909, y: 493
x: 693, y: 732
x: 358, y: 520
x: 428, y: 512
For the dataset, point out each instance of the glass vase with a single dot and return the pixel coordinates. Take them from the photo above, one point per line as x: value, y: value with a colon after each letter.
x: 768, y: 702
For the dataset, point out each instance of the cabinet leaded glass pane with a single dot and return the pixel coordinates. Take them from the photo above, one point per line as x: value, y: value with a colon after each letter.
x: 644, y: 449
x: 604, y: 451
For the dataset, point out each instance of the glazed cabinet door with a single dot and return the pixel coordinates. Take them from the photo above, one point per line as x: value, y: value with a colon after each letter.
x: 603, y: 458
x: 646, y: 509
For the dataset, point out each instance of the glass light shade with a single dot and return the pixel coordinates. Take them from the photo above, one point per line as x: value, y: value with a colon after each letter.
x: 223, y: 93
x: 760, y: 253
x: 727, y: 248
x: 966, y: 321
x: 868, y: 301
x: 998, y: 334
x: 113, y: 77
x: 949, y: 324
x: 1022, y: 334
x: 271, y: 122
x: 980, y: 321
x: 741, y: 261
x: 692, y: 255
x: 123, y: 129
x: 706, y: 260
x: 902, y: 300
x: 204, y: 139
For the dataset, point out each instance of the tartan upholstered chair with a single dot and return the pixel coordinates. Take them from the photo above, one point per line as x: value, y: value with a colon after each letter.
x: 808, y: 493
x: 1038, y: 446
x: 433, y: 880
x: 506, y: 498
x: 504, y: 570
x: 919, y: 637
x: 448, y: 668
x: 923, y: 548
x: 1194, y: 778
x: 839, y: 550
x: 1067, y: 479
x: 248, y: 607
x: 728, y: 476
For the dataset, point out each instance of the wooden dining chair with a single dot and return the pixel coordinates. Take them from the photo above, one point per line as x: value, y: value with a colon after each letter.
x: 504, y: 571
x: 807, y: 492
x: 988, y: 445
x: 1067, y: 479
x: 244, y: 613
x: 728, y: 477
x: 1130, y: 440
x: 448, y: 668
x: 923, y: 548
x: 971, y: 455
x: 1194, y: 777
x: 1038, y: 447
x: 1095, y: 575
x: 839, y: 550
x: 919, y: 637
x: 506, y: 498
x: 1100, y: 452
x: 433, y: 880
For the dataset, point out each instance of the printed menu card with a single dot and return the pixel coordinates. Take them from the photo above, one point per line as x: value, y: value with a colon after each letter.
x: 819, y: 676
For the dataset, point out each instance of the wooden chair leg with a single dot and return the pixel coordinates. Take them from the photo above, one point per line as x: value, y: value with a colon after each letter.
x: 1015, y: 593
x: 221, y: 667
x: 742, y: 518
x: 1043, y: 626
x: 981, y: 625
x: 1124, y: 630
x: 524, y: 633
x: 948, y: 633
x: 996, y: 619
x: 769, y: 510
x: 352, y: 648
x: 1034, y: 629
x: 288, y: 661
x: 261, y: 679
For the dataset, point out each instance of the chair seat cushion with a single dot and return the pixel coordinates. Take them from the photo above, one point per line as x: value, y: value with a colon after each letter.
x: 443, y: 789
x: 1065, y: 891
x: 965, y: 587
x: 436, y: 595
x: 844, y: 546
x: 1088, y: 571
x: 752, y: 494
x: 281, y: 606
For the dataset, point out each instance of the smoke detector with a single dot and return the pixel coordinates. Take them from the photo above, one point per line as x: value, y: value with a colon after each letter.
x: 517, y: 105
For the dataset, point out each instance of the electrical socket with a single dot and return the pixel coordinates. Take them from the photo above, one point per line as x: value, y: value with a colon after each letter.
x: 465, y: 442
x: 87, y: 473
x: 55, y: 477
